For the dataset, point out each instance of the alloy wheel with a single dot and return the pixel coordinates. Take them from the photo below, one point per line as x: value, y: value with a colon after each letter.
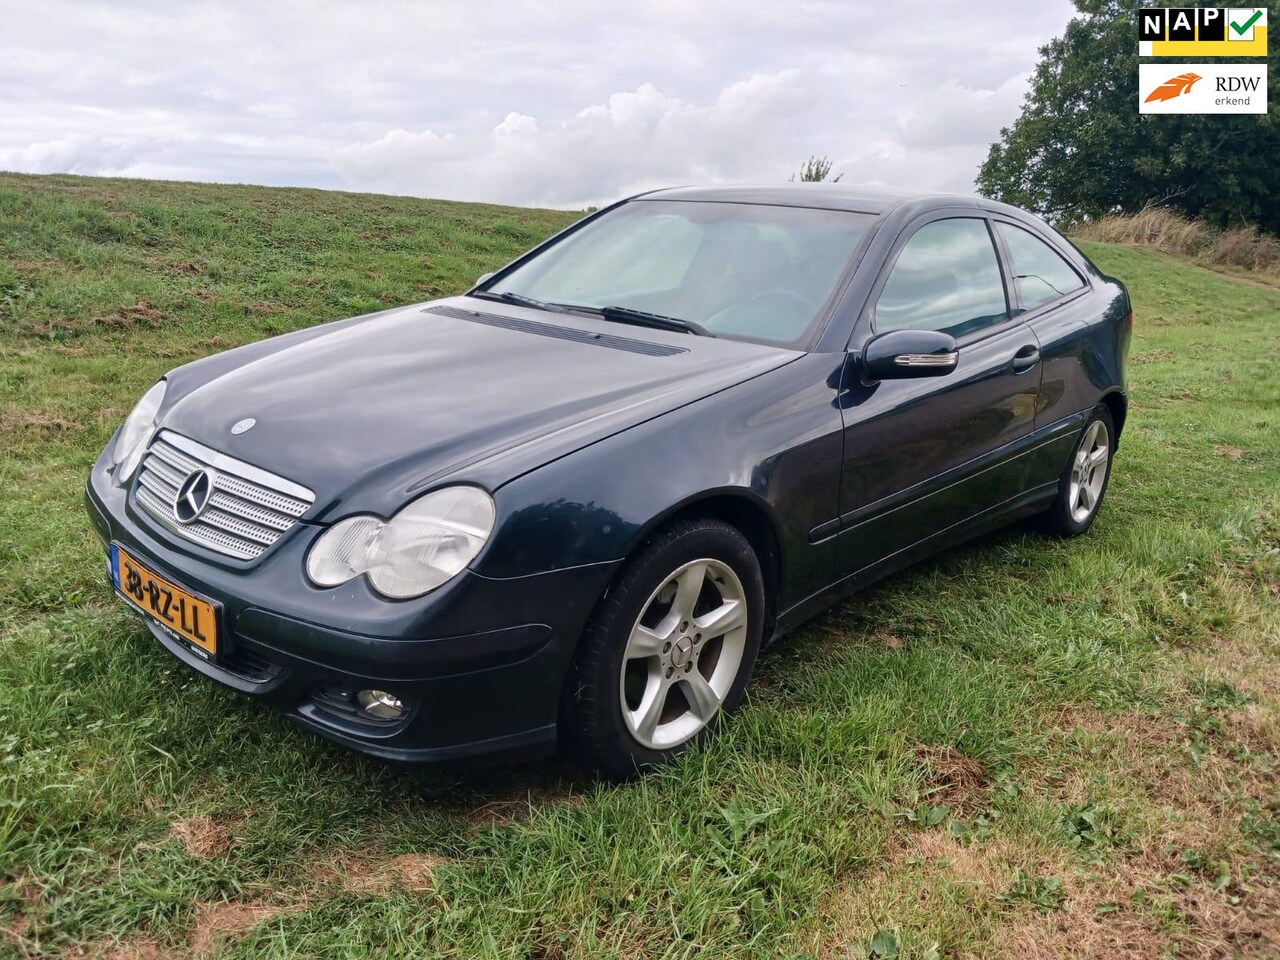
x: 1089, y: 471
x: 683, y: 654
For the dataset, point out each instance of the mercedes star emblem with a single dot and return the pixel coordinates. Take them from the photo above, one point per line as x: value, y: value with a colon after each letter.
x: 192, y: 496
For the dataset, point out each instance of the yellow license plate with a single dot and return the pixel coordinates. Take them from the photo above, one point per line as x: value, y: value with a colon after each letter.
x: 183, y: 613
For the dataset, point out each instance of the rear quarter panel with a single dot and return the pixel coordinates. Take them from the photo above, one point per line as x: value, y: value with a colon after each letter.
x: 1083, y: 346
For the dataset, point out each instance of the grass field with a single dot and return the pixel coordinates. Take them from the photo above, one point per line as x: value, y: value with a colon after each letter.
x: 1027, y: 748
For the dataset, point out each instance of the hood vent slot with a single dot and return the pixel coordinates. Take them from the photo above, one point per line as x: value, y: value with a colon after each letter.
x: 560, y: 333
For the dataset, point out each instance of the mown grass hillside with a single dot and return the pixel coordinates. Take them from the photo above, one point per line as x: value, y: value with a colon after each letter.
x: 1027, y: 748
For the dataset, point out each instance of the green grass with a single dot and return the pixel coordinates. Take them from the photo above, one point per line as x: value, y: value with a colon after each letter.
x: 1025, y: 748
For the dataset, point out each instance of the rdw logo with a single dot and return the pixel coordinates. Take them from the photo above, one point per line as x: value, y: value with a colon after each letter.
x: 1202, y: 88
x: 1174, y: 87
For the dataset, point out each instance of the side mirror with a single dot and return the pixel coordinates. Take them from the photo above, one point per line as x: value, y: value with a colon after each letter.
x: 906, y: 354
x: 483, y: 277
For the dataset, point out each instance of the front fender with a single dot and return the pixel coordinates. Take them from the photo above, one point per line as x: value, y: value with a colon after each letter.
x: 774, y: 441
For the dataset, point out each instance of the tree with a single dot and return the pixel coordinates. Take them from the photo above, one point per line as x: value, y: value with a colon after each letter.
x: 1080, y: 149
x: 816, y: 170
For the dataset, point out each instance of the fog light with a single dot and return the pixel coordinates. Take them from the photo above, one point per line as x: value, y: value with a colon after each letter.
x: 380, y: 704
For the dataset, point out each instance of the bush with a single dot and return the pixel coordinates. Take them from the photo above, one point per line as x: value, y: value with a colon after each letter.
x: 1173, y: 233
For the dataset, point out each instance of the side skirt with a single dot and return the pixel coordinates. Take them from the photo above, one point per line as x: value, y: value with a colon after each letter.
x: 1017, y: 508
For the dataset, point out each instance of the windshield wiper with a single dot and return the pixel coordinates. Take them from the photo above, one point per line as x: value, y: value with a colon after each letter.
x: 639, y: 318
x: 642, y: 318
x: 519, y: 299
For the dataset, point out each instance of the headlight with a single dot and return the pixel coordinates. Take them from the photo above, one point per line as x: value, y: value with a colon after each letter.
x: 137, y: 430
x: 424, y: 545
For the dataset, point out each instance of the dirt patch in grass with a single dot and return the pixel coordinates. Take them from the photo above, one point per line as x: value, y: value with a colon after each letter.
x: 928, y: 873
x: 1129, y: 744
x: 202, y: 837
x: 20, y: 905
x: 1255, y: 726
x: 952, y: 778
x: 14, y: 935
x: 414, y: 872
x: 215, y: 923
x: 1090, y: 925
x: 1249, y: 667
x: 1191, y: 882
x: 987, y: 864
x: 1142, y: 732
x: 186, y: 267
x: 129, y: 950
x: 889, y: 640
x: 141, y: 313
x: 514, y: 802
x: 36, y: 423
x: 1131, y: 911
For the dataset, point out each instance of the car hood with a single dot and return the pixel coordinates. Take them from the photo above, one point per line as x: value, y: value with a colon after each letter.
x: 382, y: 406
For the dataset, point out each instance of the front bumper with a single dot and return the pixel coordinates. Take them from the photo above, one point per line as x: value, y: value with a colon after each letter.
x: 480, y: 663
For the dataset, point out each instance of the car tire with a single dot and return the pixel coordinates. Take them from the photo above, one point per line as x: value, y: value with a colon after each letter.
x: 647, y: 683
x: 1084, y: 480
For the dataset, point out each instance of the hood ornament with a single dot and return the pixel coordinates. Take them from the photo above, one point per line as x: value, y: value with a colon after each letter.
x: 242, y: 426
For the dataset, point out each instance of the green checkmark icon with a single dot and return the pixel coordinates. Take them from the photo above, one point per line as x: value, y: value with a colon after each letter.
x: 1240, y: 28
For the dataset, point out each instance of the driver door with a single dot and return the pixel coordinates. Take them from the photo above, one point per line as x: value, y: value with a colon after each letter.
x: 924, y: 456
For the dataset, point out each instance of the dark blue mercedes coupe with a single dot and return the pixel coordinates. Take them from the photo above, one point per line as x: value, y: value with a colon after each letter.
x: 574, y: 503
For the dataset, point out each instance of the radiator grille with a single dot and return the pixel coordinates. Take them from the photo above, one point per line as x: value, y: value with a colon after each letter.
x: 249, y: 509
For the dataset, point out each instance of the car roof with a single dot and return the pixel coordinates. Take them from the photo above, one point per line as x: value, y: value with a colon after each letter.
x: 827, y: 196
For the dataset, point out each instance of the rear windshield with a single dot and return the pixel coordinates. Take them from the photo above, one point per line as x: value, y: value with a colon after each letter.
x: 745, y: 271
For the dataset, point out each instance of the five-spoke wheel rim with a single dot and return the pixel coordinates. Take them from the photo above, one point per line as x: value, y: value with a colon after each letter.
x: 1089, y: 472
x: 683, y: 654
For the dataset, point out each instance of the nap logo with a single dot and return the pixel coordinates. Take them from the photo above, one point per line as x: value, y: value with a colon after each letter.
x: 1202, y: 32
x: 1202, y: 88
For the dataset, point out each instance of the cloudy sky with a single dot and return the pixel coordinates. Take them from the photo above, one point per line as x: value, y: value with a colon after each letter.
x: 554, y: 104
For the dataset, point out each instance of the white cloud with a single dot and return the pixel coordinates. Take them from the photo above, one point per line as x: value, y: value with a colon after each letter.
x: 73, y: 154
x: 635, y: 139
x: 564, y: 104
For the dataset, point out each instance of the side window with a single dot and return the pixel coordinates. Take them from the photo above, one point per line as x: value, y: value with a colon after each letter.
x: 947, y: 278
x: 1040, y: 274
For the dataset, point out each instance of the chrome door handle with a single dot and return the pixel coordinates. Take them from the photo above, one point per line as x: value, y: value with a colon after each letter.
x: 1026, y: 358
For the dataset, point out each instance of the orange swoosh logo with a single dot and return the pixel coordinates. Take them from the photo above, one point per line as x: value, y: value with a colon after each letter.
x: 1175, y: 87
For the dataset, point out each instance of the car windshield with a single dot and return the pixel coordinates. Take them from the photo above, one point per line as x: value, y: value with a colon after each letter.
x: 746, y: 271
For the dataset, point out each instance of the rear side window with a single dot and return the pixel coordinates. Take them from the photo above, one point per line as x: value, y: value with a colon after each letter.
x: 946, y: 277
x: 1040, y: 273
